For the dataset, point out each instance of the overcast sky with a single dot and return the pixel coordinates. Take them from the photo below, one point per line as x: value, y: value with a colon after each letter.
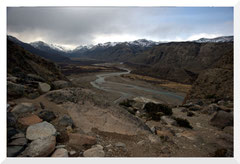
x: 73, y: 26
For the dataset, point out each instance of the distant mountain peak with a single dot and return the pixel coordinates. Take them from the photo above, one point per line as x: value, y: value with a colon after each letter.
x: 215, y: 40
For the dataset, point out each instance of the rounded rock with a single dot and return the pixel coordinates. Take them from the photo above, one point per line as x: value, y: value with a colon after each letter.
x: 40, y: 130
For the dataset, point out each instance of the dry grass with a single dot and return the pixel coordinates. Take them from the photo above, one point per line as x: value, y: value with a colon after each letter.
x: 160, y: 82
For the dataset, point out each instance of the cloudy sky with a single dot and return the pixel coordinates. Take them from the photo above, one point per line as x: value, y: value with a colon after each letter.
x: 73, y: 26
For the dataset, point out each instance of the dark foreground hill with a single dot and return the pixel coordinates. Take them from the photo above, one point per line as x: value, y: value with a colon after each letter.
x: 28, y: 74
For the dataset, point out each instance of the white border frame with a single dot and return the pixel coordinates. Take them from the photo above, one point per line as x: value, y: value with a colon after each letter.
x: 3, y: 31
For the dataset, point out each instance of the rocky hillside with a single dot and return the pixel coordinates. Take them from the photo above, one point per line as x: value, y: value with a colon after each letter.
x: 28, y: 72
x: 181, y: 61
x: 216, y: 82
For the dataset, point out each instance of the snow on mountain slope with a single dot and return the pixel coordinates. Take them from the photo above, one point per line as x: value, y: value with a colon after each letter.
x: 44, y: 46
x: 215, y: 40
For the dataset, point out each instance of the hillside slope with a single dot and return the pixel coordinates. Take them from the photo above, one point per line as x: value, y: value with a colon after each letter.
x: 180, y: 61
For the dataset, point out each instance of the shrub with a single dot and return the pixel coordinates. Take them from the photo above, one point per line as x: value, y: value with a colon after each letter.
x: 155, y: 108
x: 183, y: 122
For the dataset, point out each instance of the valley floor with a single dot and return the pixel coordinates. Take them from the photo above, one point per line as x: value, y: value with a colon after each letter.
x: 90, y: 122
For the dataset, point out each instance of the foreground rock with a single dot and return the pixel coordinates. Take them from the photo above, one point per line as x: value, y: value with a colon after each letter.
x: 15, y: 90
x: 44, y: 87
x: 13, y: 151
x: 76, y: 139
x: 66, y: 121
x: 40, y: 130
x: 61, y: 152
x: 222, y: 119
x: 29, y: 120
x: 60, y: 84
x: 94, y: 152
x: 47, y: 115
x: 23, y: 108
x: 41, y: 147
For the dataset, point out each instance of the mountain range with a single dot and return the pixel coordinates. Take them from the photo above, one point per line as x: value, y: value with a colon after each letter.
x: 176, y: 61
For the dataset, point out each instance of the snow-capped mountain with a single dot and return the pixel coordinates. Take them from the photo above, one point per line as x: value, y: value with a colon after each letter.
x: 215, y: 40
x: 45, y: 46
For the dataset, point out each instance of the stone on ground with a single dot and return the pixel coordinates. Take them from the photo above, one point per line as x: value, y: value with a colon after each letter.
x: 40, y: 130
x: 29, y: 120
x: 24, y: 108
x: 76, y: 139
x: 222, y: 119
x: 18, y: 142
x: 61, y: 152
x: 44, y: 87
x: 60, y: 84
x: 47, y: 115
x: 66, y: 121
x: 13, y: 151
x: 41, y: 147
x: 94, y: 152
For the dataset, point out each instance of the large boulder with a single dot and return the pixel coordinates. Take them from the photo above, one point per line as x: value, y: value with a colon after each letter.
x: 18, y: 142
x: 15, y: 90
x: 210, y: 109
x: 23, y: 108
x: 76, y: 139
x: 41, y: 147
x: 40, y: 130
x: 60, y: 84
x: 44, y: 87
x: 222, y: 119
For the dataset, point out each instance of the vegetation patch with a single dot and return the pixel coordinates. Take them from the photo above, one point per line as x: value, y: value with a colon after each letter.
x: 183, y: 122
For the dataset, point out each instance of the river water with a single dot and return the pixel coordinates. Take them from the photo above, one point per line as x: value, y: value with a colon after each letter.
x: 126, y: 90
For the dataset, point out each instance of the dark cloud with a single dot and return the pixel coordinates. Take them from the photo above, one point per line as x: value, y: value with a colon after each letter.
x: 81, y: 25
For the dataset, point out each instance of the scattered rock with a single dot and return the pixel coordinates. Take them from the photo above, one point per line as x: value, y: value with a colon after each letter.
x: 41, y: 147
x: 63, y: 95
x: 184, y: 110
x: 18, y: 142
x: 15, y: 90
x: 33, y: 95
x: 44, y: 87
x: 23, y: 108
x: 210, y: 109
x: 187, y: 105
x: 35, y: 77
x: 13, y: 151
x: 154, y: 139
x: 12, y: 79
x: 222, y: 119
x: 190, y: 114
x: 62, y: 137
x: 18, y: 135
x: 228, y: 129
x: 61, y: 152
x: 142, y: 142
x: 195, y: 108
x: 94, y: 152
x: 65, y: 121
x: 11, y: 120
x: 41, y: 105
x: 40, y: 130
x: 120, y: 144
x: 169, y: 121
x: 11, y: 132
x: 60, y: 84
x: 73, y: 153
x: 29, y: 120
x: 76, y: 139
x: 191, y: 136
x: 47, y: 115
